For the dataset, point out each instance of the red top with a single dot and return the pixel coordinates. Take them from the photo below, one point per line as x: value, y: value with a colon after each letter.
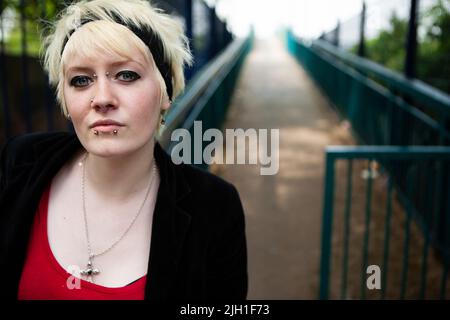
x: 43, y: 278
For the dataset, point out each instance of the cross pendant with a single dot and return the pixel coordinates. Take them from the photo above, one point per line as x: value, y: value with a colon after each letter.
x: 90, y: 270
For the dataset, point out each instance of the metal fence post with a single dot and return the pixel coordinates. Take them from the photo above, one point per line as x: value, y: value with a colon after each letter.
x: 4, y: 77
x: 362, y: 31
x: 212, y: 33
x: 411, y: 41
x: 337, y: 32
x: 26, y: 83
x: 48, y: 95
x: 189, y: 34
x: 327, y: 224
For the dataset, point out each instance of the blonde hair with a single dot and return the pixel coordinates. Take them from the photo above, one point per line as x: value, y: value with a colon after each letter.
x: 113, y: 37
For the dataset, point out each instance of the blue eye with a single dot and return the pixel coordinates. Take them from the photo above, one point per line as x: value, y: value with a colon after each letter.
x: 80, y: 81
x: 127, y: 76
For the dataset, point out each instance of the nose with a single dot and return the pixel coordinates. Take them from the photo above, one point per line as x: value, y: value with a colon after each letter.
x: 104, y: 98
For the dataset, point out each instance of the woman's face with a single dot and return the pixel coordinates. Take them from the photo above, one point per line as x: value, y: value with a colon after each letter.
x: 113, y: 102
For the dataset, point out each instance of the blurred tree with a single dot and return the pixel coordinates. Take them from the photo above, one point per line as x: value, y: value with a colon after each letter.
x: 388, y: 48
x: 434, y: 51
x: 37, y: 14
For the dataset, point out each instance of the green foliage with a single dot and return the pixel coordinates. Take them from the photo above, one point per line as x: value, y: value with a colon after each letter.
x: 34, y: 10
x: 388, y: 48
x: 32, y: 43
x: 36, y: 14
x: 433, y: 61
x: 434, y: 51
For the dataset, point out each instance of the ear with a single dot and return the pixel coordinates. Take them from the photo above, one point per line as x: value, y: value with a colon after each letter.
x: 166, y: 103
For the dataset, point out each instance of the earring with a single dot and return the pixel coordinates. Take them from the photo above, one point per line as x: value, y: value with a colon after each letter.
x: 163, y: 120
x: 68, y: 116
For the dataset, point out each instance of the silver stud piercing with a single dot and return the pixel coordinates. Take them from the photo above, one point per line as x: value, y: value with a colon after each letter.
x: 94, y: 75
x: 92, y: 99
x: 96, y: 132
x: 107, y: 74
x: 115, y: 132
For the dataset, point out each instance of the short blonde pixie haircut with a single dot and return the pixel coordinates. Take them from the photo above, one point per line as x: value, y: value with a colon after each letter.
x: 105, y: 34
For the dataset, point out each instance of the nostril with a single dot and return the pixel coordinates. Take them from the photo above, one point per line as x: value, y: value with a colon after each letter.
x: 103, y: 107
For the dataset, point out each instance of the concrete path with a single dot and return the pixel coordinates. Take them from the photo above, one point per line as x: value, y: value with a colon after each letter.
x: 283, y: 211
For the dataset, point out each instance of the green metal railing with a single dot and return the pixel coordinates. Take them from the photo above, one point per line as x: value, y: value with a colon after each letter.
x: 411, y: 160
x: 208, y: 95
x: 384, y: 107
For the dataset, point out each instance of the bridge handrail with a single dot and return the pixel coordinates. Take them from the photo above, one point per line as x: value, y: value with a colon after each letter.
x: 414, y: 88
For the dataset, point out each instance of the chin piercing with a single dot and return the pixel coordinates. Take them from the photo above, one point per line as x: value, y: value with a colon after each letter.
x: 115, y: 132
x: 96, y: 132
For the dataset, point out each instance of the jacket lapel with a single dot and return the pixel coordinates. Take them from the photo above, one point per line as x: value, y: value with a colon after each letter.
x: 170, y: 224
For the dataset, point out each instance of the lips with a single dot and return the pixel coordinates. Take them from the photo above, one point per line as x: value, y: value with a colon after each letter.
x: 106, y: 124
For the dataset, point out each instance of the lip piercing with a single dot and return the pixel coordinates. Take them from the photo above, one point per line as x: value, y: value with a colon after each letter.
x: 115, y: 132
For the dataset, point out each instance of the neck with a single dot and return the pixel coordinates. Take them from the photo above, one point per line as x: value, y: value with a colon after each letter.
x: 120, y: 176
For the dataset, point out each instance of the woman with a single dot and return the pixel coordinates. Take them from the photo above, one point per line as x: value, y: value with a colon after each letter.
x: 104, y: 213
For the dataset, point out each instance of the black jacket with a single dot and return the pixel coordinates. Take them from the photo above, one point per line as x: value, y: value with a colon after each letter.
x: 198, y: 247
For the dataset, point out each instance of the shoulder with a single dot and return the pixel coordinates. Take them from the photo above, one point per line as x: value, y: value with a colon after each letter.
x: 31, y: 138
x: 17, y: 149
x: 212, y: 197
x: 23, y: 150
x: 186, y: 180
x: 207, y: 183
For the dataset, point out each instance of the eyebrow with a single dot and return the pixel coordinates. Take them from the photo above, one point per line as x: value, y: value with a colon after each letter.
x: 114, y: 64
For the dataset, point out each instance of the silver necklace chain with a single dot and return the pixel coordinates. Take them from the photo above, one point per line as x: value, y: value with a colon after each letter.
x: 90, y: 270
